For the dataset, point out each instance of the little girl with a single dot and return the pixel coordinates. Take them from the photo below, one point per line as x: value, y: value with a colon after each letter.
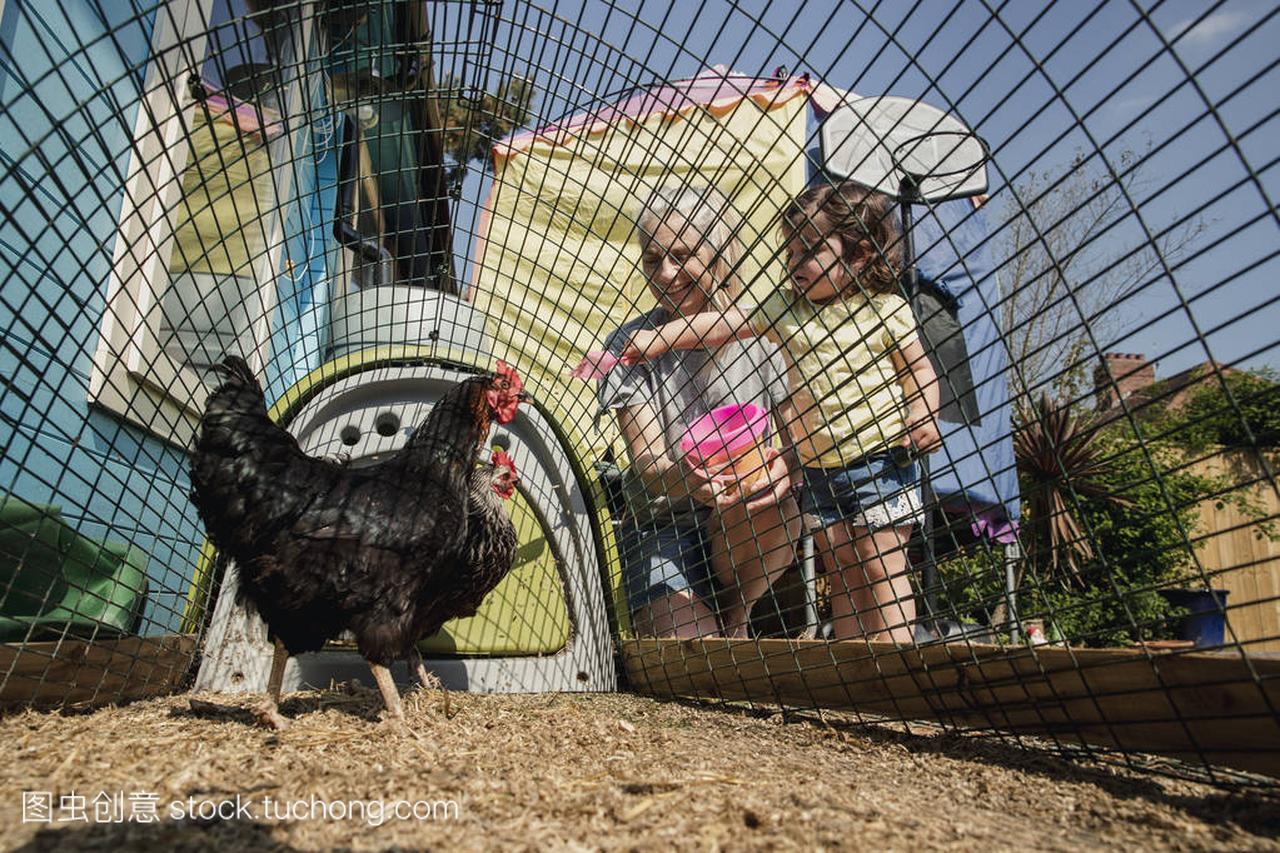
x: 864, y: 394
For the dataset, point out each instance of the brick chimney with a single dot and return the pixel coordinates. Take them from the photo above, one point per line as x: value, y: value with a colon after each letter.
x: 1131, y: 372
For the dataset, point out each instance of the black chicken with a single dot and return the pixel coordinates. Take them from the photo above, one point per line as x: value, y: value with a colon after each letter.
x: 490, y: 546
x: 487, y: 555
x: 323, y: 548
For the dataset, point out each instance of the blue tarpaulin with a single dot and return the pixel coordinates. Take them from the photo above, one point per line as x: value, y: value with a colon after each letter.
x: 975, y: 468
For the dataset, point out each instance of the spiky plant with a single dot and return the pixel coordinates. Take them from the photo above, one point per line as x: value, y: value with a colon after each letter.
x: 1060, y: 461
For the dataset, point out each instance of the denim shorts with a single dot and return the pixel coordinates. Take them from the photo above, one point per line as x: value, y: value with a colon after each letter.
x: 878, y: 490
x: 661, y: 560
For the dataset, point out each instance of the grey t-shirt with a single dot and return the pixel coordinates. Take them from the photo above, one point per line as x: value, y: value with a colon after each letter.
x: 680, y: 387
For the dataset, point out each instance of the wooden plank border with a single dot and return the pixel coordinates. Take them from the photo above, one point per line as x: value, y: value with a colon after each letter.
x: 1215, y: 708
x: 76, y: 672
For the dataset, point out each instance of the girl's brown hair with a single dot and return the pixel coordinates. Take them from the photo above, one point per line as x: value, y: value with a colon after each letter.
x: 866, y: 222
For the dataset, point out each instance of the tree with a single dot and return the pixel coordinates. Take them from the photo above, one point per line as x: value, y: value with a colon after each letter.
x: 1070, y: 254
x: 1245, y: 414
x: 1060, y: 462
x: 473, y: 121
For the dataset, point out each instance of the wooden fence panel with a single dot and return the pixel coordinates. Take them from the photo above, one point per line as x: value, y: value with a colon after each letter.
x: 1238, y: 556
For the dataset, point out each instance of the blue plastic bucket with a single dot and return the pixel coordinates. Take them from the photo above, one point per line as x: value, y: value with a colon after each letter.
x: 1205, y: 623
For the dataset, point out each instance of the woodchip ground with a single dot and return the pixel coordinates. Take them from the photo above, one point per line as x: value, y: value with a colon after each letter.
x: 615, y: 771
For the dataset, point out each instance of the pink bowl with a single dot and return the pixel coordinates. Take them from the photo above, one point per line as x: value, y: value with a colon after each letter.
x: 723, y: 433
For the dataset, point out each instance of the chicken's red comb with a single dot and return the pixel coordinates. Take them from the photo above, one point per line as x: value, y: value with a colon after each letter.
x: 509, y: 373
x: 503, y: 458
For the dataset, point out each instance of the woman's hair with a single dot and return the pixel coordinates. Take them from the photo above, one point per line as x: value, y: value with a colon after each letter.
x: 713, y: 217
x: 866, y: 222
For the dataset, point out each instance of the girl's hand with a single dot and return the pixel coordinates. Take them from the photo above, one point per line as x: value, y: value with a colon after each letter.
x: 643, y: 346
x: 922, y: 430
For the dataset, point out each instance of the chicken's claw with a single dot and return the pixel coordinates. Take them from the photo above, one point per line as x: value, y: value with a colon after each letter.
x: 431, y: 681
x: 269, y: 715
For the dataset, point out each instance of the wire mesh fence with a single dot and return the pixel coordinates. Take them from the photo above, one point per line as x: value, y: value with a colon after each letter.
x: 924, y: 355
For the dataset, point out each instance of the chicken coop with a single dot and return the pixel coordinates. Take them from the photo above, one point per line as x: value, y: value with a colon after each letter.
x: 372, y: 200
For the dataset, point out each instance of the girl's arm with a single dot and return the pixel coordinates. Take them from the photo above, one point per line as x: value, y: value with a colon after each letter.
x: 661, y: 474
x: 920, y: 385
x: 708, y: 329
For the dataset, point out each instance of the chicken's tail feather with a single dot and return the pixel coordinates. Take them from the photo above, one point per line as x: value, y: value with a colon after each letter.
x: 237, y: 371
x: 239, y: 393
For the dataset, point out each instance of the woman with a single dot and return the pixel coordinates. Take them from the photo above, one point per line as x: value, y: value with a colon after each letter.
x: 686, y: 526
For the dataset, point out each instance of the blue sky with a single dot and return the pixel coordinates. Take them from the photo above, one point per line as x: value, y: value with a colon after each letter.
x: 1040, y: 82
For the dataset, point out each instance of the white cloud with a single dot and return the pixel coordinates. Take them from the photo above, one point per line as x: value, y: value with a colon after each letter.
x: 1211, y: 29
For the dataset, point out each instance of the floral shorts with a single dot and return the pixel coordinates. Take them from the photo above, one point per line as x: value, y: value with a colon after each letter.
x: 878, y: 490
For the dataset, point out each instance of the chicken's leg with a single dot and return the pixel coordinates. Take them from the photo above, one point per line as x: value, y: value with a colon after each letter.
x: 390, y: 696
x: 430, y: 681
x: 269, y: 709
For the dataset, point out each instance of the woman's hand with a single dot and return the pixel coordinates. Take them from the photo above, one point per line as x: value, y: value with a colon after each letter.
x: 776, y: 483
x: 643, y: 346
x: 708, y: 487
x: 771, y: 488
x: 922, y: 430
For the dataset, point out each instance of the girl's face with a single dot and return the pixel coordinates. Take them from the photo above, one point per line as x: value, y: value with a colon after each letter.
x: 677, y: 265
x: 816, y: 263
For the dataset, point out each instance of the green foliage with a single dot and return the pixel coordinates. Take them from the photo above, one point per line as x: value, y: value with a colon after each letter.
x: 1103, y: 617
x: 1124, y: 509
x: 1140, y: 544
x: 1245, y: 414
x: 972, y: 585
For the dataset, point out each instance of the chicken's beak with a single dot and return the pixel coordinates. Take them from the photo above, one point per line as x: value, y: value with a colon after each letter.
x: 523, y: 396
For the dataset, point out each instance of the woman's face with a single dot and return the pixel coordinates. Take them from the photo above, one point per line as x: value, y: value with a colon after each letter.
x: 818, y: 270
x: 678, y: 264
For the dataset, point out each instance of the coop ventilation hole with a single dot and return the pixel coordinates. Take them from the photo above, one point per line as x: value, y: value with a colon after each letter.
x: 387, y: 424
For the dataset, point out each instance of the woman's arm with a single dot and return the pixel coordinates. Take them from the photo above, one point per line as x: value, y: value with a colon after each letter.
x: 920, y: 385
x: 661, y: 474
x: 707, y: 329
